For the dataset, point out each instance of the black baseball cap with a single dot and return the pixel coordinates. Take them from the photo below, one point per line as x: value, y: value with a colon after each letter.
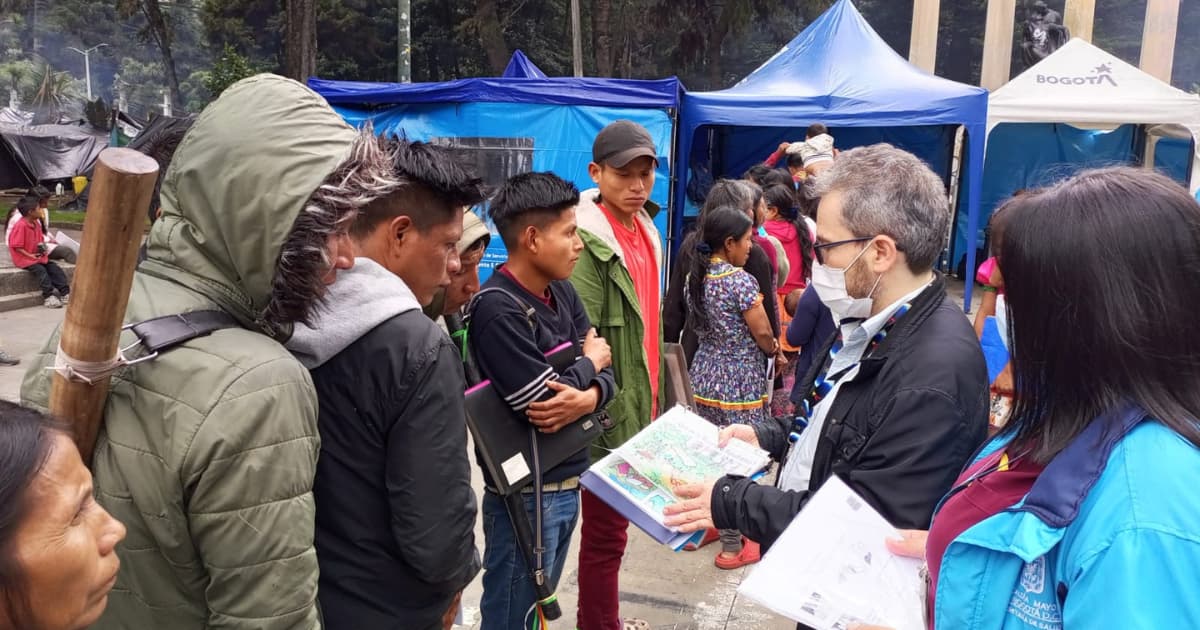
x: 621, y: 143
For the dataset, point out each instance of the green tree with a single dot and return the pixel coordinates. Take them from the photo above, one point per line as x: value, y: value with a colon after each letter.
x: 230, y: 68
x: 166, y: 23
x: 54, y: 93
x: 142, y: 84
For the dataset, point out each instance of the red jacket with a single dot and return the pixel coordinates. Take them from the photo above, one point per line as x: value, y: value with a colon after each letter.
x: 27, y: 235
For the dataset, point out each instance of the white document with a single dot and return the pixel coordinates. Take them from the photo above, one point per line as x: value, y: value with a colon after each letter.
x: 770, y: 381
x: 830, y: 568
x: 66, y: 241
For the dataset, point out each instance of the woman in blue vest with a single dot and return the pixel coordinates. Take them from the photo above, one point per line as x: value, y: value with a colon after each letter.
x: 1084, y: 512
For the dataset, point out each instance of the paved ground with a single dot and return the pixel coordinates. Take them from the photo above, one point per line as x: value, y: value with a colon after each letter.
x: 670, y: 590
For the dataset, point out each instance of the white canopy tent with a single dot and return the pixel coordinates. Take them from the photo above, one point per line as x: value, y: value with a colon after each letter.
x: 1084, y: 86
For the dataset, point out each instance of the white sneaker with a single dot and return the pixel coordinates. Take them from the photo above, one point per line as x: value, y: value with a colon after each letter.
x: 66, y: 299
x: 52, y: 302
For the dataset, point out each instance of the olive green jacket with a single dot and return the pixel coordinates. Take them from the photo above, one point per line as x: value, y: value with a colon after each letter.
x: 606, y: 288
x: 209, y: 451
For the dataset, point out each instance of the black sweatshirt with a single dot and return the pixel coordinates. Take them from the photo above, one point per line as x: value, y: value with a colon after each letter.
x: 512, y: 354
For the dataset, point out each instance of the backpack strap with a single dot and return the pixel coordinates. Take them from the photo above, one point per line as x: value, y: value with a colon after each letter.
x: 530, y: 314
x: 163, y: 333
x: 153, y: 335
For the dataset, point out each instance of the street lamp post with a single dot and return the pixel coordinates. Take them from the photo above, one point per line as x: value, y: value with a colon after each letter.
x: 87, y: 66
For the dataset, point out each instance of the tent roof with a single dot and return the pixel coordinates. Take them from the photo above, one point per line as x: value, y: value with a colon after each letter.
x: 840, y: 72
x: 1081, y: 83
x: 543, y: 90
x: 53, y: 151
x: 520, y: 67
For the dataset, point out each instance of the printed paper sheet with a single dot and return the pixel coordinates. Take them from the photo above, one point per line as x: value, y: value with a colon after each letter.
x: 830, y: 568
x: 677, y: 449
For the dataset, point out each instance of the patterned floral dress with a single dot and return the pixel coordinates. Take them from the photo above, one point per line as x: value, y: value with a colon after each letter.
x: 729, y: 372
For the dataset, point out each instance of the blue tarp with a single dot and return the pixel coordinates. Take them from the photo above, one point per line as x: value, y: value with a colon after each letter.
x: 838, y: 71
x: 540, y: 90
x: 1035, y: 155
x: 1173, y: 156
x: 520, y: 67
x: 505, y: 126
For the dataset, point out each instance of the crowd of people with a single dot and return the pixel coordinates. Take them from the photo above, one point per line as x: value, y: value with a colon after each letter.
x: 307, y: 464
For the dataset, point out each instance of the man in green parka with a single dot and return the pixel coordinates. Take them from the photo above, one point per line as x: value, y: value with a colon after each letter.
x: 618, y: 278
x: 209, y: 450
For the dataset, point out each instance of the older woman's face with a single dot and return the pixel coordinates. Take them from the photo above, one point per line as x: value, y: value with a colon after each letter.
x: 65, y: 544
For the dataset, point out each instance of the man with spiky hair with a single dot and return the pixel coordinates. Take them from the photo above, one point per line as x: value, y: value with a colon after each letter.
x: 395, y: 509
x: 209, y: 450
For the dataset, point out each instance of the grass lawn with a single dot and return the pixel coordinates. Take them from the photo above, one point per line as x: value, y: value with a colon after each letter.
x: 63, y: 216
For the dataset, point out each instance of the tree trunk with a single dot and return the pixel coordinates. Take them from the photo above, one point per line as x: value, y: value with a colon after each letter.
x: 602, y: 29
x: 300, y: 39
x: 491, y: 35
x: 162, y: 36
x: 712, y: 52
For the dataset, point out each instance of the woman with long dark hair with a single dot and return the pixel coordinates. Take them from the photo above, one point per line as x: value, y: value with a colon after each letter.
x: 57, y: 558
x: 1083, y: 512
x: 729, y: 371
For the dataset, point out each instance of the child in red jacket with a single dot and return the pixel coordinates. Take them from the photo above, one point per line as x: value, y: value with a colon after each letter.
x: 27, y: 246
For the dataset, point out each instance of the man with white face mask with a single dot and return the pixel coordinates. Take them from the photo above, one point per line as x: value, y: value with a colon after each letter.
x: 897, y: 399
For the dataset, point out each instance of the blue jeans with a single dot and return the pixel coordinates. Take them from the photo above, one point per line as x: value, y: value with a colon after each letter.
x: 507, y: 586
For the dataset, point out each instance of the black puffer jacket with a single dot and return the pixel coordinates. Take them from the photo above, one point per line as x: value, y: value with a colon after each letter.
x: 395, y: 520
x: 898, y: 434
x: 395, y: 509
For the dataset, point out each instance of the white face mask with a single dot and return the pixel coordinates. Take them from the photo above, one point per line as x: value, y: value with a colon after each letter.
x: 1002, y: 322
x: 830, y: 285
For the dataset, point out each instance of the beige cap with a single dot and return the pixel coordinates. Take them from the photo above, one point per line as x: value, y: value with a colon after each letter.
x: 473, y: 229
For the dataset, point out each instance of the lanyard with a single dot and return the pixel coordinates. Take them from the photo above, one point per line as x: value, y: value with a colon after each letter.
x: 824, y: 382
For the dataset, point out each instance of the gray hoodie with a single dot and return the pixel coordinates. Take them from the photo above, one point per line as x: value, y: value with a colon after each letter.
x: 362, y: 298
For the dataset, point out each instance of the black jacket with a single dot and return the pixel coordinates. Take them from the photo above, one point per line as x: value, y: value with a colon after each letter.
x: 899, y: 434
x: 395, y: 510
x: 676, y: 328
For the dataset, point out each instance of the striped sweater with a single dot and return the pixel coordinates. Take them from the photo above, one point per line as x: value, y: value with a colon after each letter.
x: 511, y: 353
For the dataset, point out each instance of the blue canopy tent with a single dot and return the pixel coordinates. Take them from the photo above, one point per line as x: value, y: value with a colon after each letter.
x: 514, y: 124
x: 839, y: 72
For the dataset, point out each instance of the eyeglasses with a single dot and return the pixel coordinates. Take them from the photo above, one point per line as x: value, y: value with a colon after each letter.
x: 819, y: 250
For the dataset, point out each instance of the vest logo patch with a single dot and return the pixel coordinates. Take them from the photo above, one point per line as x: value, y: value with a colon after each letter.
x: 1031, y: 605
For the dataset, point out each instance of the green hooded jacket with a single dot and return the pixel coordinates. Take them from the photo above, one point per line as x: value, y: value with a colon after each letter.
x: 606, y: 288
x: 209, y: 451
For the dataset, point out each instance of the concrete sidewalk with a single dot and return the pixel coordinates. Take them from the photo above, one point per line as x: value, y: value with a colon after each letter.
x: 670, y: 590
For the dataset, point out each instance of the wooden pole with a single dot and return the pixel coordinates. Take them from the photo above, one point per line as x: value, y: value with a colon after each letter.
x: 922, y: 48
x: 576, y: 40
x: 998, y: 43
x: 1079, y: 16
x: 1158, y: 38
x: 112, y: 231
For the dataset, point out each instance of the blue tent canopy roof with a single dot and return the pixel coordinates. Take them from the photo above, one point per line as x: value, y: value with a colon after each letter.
x: 520, y: 67
x: 546, y: 91
x: 839, y: 72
